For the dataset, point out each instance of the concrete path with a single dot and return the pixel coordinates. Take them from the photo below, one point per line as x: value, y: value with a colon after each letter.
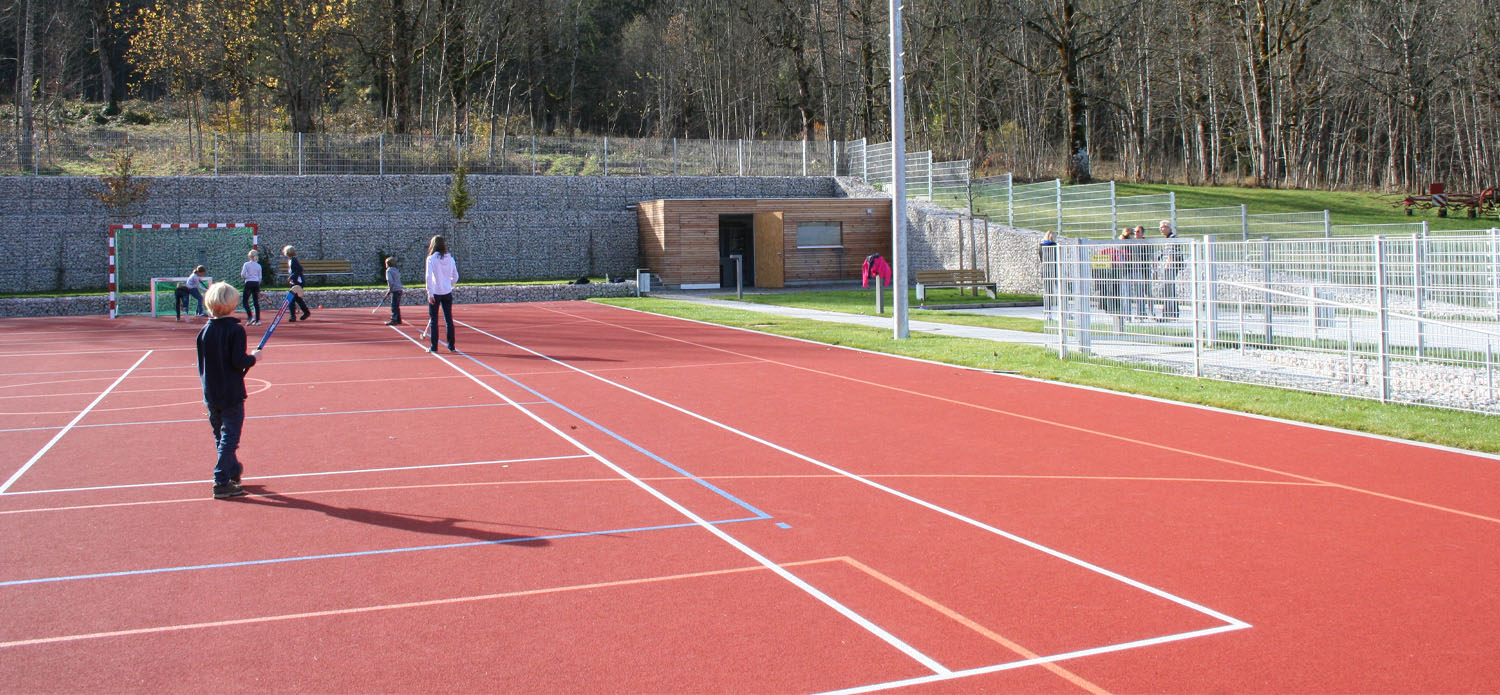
x: 915, y: 318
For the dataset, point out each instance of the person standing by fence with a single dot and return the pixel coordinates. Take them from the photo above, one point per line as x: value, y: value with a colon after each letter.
x: 1046, y: 255
x: 1169, y: 260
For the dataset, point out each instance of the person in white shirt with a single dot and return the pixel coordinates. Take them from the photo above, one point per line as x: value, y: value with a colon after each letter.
x: 250, y: 272
x: 195, y: 287
x: 442, y: 275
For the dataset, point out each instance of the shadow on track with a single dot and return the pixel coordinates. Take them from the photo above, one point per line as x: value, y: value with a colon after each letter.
x: 439, y: 526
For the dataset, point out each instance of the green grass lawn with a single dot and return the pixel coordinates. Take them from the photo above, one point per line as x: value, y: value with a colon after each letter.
x: 1449, y: 428
x: 862, y: 302
x: 1343, y: 207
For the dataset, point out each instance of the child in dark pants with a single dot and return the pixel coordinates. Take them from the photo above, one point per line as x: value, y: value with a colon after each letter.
x: 222, y: 364
x: 296, y: 279
x: 393, y: 283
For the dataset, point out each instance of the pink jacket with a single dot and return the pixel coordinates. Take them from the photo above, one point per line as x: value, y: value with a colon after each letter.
x: 875, y: 265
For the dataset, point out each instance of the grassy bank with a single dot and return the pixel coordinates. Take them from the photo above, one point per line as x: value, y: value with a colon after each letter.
x: 1449, y: 428
x: 862, y: 302
x: 1343, y: 207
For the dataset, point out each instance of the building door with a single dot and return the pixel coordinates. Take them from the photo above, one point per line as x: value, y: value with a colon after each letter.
x: 769, y: 244
x: 736, y: 237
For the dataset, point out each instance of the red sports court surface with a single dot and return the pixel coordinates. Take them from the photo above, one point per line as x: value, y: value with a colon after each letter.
x: 591, y: 499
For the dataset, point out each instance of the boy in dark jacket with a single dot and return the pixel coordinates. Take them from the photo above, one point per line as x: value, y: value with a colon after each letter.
x: 222, y: 364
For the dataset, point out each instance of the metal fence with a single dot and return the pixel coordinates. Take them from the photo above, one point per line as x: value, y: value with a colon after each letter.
x: 1413, y: 319
x: 91, y: 153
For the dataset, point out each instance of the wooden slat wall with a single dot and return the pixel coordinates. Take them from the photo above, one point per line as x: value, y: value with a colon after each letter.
x: 651, y: 219
x: 686, y: 233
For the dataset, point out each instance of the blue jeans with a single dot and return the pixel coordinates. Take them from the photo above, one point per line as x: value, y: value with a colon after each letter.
x: 227, y: 423
x: 446, y: 302
x: 195, y: 294
x: 396, y: 305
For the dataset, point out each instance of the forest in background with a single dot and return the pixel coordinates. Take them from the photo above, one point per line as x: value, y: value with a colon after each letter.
x: 1339, y: 94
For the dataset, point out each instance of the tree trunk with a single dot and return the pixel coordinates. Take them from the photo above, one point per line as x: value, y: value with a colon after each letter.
x: 24, y: 85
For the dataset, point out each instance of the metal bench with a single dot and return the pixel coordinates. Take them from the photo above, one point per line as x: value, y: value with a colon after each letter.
x: 311, y: 267
x: 953, y: 278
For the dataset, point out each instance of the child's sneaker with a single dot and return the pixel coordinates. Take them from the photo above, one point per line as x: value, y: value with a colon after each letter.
x: 228, y: 490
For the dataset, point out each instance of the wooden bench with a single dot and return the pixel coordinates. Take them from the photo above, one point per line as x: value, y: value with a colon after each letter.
x: 953, y: 278
x: 311, y: 267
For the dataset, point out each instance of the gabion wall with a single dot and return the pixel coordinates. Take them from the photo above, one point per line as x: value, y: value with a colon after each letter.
x: 52, y: 231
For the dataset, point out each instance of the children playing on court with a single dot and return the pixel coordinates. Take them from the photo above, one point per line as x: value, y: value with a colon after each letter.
x: 222, y: 363
x: 296, y: 278
x: 442, y: 275
x: 250, y: 272
x: 194, y: 286
x: 393, y: 286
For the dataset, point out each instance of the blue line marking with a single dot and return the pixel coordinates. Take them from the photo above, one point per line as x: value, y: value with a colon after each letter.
x: 360, y: 553
x: 746, y: 506
x: 783, y: 524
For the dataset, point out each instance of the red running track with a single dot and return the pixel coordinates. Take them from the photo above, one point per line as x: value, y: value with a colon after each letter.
x: 591, y: 499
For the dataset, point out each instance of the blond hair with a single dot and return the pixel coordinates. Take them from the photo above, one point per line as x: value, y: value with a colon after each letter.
x: 221, y: 299
x: 288, y: 251
x: 253, y: 255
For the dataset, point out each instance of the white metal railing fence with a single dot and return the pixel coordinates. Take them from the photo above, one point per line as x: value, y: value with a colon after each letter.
x: 1412, y: 319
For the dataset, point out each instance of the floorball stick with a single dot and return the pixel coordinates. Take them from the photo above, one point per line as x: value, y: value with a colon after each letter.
x: 381, y: 302
x: 279, y: 314
x: 427, y: 328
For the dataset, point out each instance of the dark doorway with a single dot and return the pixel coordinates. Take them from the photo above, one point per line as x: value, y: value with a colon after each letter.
x: 736, y: 236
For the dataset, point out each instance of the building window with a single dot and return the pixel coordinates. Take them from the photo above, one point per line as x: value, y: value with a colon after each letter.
x: 820, y: 235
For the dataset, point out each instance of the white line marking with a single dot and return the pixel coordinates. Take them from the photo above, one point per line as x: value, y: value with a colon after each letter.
x: 282, y: 346
x: 827, y: 600
x: 996, y: 668
x: 892, y: 491
x: 17, y: 475
x: 1038, y: 380
x: 306, y: 475
x: 266, y: 417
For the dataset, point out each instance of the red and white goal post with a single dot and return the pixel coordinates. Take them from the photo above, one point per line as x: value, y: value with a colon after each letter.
x: 139, y: 254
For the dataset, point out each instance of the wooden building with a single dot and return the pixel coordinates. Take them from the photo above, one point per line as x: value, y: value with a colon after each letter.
x: 690, y: 243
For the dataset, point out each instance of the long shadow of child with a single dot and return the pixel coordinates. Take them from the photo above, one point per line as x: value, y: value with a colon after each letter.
x: 419, y: 523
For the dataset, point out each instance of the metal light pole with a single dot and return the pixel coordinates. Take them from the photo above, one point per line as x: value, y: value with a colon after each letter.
x: 898, y: 167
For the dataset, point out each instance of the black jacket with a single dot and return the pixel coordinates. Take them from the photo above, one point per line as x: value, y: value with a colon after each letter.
x: 222, y: 362
x: 294, y: 272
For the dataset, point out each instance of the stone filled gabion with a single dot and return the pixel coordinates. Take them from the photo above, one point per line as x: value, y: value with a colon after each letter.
x: 53, y: 233
x: 331, y: 299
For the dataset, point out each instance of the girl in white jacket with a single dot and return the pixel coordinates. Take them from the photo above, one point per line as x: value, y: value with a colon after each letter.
x: 442, y: 275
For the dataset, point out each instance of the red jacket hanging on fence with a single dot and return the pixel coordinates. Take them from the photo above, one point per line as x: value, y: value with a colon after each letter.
x: 875, y: 265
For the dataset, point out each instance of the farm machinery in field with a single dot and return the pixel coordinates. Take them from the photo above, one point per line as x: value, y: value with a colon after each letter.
x: 1486, y: 202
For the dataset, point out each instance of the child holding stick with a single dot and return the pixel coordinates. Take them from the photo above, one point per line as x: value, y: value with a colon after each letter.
x: 222, y: 363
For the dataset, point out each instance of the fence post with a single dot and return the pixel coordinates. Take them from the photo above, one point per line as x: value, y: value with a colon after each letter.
x: 216, y: 155
x: 1269, y: 316
x: 674, y: 156
x: 1114, y: 210
x: 864, y: 159
x: 1210, y: 292
x: 804, y: 156
x: 1327, y: 225
x: 834, y: 163
x: 929, y: 183
x: 1382, y: 319
x: 299, y: 154
x: 1196, y: 250
x: 380, y: 155
x: 1244, y: 223
x: 1495, y: 271
x: 742, y: 156
x: 1010, y: 200
x: 1057, y: 188
x: 1416, y: 290
x: 1172, y: 207
x: 606, y: 155
x: 533, y: 155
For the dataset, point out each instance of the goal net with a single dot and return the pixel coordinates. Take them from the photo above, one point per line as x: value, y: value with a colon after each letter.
x: 156, y: 258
